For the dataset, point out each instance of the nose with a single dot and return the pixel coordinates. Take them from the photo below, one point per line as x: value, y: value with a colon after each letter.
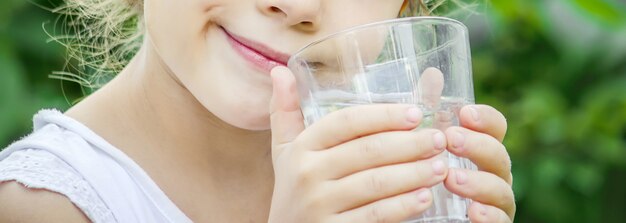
x: 302, y: 14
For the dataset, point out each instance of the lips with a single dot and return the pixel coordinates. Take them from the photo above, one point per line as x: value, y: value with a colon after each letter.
x: 258, y: 54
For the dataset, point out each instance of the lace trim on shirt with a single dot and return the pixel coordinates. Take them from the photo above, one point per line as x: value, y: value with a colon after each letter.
x: 42, y: 170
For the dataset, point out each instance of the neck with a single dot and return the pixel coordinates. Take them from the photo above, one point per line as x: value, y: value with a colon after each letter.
x: 147, y: 113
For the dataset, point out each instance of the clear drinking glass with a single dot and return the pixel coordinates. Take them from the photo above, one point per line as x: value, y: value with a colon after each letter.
x: 421, y: 60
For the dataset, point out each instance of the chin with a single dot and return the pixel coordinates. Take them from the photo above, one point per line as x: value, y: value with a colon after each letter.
x: 254, y: 123
x: 252, y: 115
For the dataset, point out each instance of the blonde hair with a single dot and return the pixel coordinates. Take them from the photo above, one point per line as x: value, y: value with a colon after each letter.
x: 449, y: 8
x: 414, y: 8
x: 101, y: 36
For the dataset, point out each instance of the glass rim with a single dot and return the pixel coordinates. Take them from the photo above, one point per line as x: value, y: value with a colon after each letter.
x: 434, y: 19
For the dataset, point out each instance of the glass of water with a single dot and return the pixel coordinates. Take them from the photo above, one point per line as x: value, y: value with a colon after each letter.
x: 421, y: 60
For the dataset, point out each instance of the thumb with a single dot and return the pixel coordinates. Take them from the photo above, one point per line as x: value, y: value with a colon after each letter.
x: 285, y: 116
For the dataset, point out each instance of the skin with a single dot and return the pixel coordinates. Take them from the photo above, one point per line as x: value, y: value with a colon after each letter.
x: 217, y: 151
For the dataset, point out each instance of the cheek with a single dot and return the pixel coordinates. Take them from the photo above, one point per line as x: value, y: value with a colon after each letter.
x: 176, y: 30
x: 228, y: 88
x: 197, y: 55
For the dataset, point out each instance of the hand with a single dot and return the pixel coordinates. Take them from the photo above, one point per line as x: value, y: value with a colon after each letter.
x: 339, y: 169
x: 480, y: 140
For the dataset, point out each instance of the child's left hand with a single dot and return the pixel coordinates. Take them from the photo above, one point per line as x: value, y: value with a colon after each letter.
x: 480, y: 139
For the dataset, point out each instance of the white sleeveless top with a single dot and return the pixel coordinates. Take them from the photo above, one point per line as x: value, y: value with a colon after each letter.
x: 64, y: 156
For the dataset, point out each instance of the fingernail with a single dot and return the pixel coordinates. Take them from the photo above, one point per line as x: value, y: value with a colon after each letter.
x: 423, y: 195
x: 438, y: 167
x: 461, y: 177
x: 440, y: 141
x: 413, y: 115
x: 459, y: 140
x: 474, y: 113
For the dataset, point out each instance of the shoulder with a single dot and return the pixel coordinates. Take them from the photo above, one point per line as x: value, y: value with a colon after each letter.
x: 21, y: 204
x: 49, y: 180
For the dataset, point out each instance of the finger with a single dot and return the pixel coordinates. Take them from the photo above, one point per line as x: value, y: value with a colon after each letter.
x: 482, y: 187
x: 393, y: 209
x: 285, y: 116
x: 381, y: 149
x: 480, y: 213
x: 374, y: 184
x: 430, y: 86
x: 485, y: 119
x: 483, y: 150
x: 354, y: 122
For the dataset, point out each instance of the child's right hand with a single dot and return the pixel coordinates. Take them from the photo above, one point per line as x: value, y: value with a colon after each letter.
x: 360, y: 164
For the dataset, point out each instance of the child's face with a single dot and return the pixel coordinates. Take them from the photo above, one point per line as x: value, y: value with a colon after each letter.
x: 207, y: 45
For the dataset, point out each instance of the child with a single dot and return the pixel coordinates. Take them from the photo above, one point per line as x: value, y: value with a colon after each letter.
x: 203, y: 125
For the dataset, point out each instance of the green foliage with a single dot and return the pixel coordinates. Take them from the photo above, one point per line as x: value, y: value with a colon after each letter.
x: 555, y: 68
x: 26, y: 60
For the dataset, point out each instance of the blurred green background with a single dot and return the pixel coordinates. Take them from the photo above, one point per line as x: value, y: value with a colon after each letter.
x: 555, y: 68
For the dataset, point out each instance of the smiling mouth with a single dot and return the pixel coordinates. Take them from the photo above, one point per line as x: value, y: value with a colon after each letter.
x: 258, y: 54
